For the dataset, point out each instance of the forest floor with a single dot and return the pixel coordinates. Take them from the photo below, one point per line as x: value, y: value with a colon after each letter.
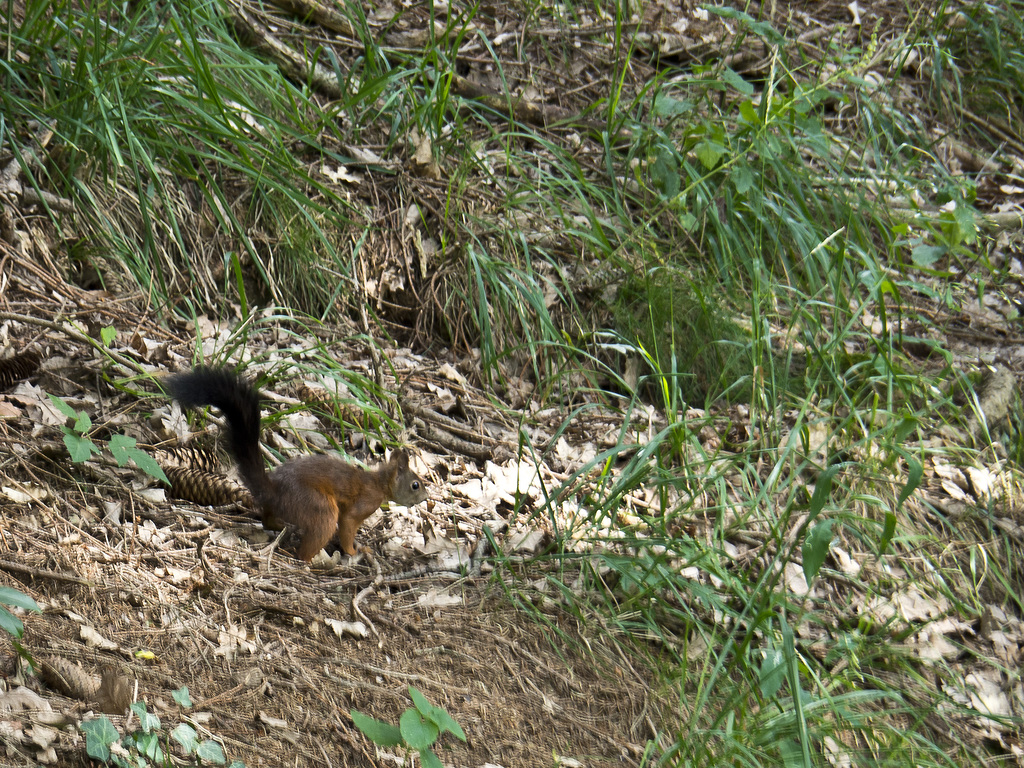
x: 161, y: 593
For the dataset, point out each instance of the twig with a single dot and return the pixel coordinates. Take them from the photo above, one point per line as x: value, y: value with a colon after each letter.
x: 39, y: 573
x: 357, y: 613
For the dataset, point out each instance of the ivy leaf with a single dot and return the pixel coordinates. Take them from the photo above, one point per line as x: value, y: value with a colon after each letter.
x: 211, y: 751
x: 185, y: 735
x: 100, y: 733
x: 182, y: 697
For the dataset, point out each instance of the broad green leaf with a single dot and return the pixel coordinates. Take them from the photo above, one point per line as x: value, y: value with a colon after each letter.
x: 437, y: 715
x: 665, y: 174
x: 822, y: 491
x: 903, y: 430
x: 123, y: 449
x: 107, y: 335
x: 381, y: 734
x: 708, y: 152
x: 915, y: 471
x: 10, y: 596
x: 10, y: 623
x: 147, y: 721
x: 211, y: 751
x: 80, y: 448
x: 429, y: 760
x: 737, y: 82
x: 417, y: 731
x: 741, y: 177
x: 815, y: 549
x: 668, y: 106
x: 964, y: 216
x: 749, y: 113
x: 100, y: 733
x: 182, y: 697
x: 63, y: 407
x: 148, y: 744
x: 772, y: 673
x: 926, y: 255
x: 120, y: 445
x: 185, y: 735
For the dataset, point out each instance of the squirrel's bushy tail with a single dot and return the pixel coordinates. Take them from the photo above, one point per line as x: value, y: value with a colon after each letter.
x: 240, y: 404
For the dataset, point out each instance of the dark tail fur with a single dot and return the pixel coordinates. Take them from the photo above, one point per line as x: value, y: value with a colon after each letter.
x: 240, y: 404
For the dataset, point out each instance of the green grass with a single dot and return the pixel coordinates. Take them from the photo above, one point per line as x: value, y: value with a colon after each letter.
x: 756, y: 248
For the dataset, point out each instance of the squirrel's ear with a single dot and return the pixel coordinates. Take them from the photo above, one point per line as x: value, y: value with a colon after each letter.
x: 401, y: 458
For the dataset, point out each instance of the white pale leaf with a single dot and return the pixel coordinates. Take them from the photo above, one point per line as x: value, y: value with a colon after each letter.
x: 94, y: 639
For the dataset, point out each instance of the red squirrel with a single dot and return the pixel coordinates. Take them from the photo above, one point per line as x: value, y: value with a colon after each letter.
x: 320, y: 495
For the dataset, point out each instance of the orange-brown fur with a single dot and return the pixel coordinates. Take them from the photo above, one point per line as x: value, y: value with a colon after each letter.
x: 322, y: 496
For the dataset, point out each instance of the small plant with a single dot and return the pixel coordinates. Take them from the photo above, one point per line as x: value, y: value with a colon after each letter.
x: 147, y: 745
x: 122, y: 447
x: 418, y: 729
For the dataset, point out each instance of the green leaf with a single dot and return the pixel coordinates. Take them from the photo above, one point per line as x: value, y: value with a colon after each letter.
x: 668, y: 106
x: 772, y: 673
x: 420, y: 701
x: 63, y: 407
x: 120, y: 445
x: 822, y: 490
x: 181, y: 696
x: 741, y: 177
x: 665, y: 174
x: 123, y: 449
x: 749, y: 114
x: 147, y: 722
x: 107, y: 335
x: 815, y: 549
x: 148, y: 744
x: 100, y: 733
x: 185, y: 735
x: 436, y: 715
x: 737, y: 82
x: 926, y: 255
x: 915, y: 471
x: 417, y: 731
x: 708, y: 152
x: 80, y: 448
x: 964, y: 217
x: 211, y: 751
x: 10, y: 623
x: 904, y: 429
x: 888, y: 531
x: 10, y: 596
x: 381, y: 734
x: 429, y: 760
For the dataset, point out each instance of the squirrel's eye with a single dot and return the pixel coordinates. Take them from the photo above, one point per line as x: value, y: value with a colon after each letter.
x: 415, y: 485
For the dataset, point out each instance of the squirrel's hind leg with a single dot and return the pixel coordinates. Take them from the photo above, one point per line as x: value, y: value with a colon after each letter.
x: 321, y: 525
